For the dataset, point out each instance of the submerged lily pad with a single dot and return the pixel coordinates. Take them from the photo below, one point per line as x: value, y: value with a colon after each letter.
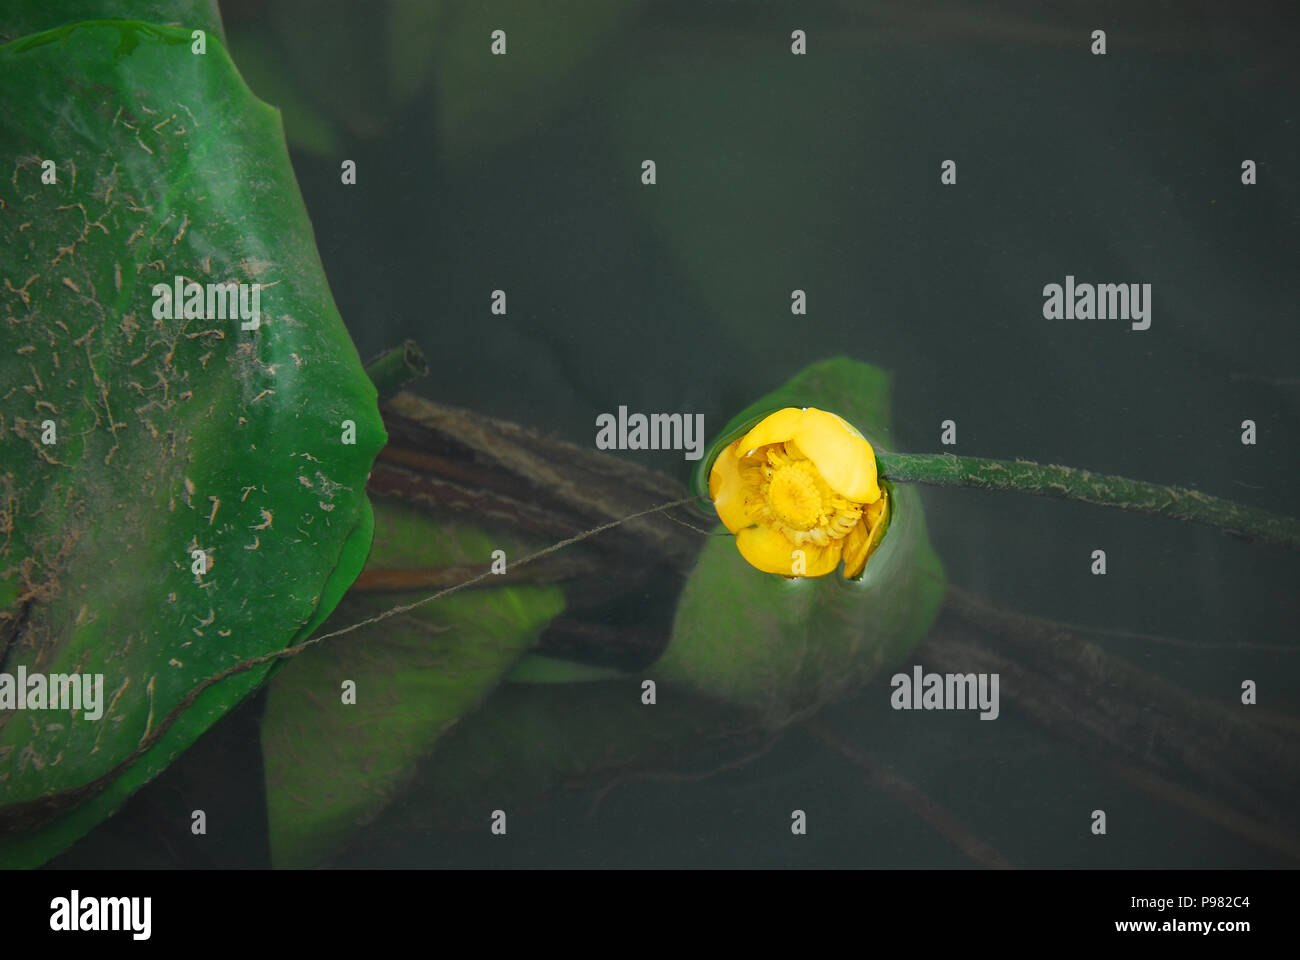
x: 128, y: 440
x: 335, y: 757
x: 530, y: 744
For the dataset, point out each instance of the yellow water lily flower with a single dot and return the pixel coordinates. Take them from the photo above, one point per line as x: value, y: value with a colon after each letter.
x: 800, y: 493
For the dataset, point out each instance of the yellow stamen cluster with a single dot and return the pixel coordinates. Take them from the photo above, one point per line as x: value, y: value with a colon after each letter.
x: 792, y: 496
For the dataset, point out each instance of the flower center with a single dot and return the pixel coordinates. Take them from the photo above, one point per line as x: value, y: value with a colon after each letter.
x: 785, y: 491
x: 793, y: 496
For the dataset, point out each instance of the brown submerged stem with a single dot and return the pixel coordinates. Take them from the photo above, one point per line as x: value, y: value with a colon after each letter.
x: 1130, y: 723
x: 917, y: 801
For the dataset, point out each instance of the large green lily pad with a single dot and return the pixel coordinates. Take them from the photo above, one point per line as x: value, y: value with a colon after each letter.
x: 171, y: 435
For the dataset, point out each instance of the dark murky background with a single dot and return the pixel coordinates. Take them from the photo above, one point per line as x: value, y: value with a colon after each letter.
x: 821, y: 172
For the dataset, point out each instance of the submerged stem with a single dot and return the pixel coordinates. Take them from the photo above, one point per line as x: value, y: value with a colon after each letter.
x: 397, y: 366
x: 1069, y: 483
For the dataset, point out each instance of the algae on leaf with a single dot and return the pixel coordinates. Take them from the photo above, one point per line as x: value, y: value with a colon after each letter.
x: 128, y: 440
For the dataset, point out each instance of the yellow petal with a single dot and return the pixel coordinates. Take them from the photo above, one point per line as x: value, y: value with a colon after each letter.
x: 863, y: 539
x: 766, y: 549
x: 776, y: 428
x: 855, y: 550
x: 727, y: 490
x: 841, y: 455
x: 847, y: 426
x: 822, y: 560
x: 769, y: 551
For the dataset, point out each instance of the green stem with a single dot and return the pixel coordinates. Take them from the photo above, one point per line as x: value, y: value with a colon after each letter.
x: 1068, y: 483
x: 393, y: 369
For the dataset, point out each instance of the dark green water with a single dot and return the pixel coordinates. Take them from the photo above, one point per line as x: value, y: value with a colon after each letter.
x: 822, y: 172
